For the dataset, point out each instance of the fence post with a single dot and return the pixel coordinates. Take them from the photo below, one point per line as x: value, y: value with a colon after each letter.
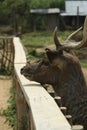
x: 21, y: 108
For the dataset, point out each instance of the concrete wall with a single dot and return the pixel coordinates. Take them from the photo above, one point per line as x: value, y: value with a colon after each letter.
x: 72, y: 5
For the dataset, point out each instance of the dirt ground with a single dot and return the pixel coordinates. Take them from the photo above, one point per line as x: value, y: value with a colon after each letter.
x: 5, y: 84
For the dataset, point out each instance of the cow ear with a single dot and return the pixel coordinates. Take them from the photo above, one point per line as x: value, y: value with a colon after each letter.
x: 51, y: 54
x: 55, y: 54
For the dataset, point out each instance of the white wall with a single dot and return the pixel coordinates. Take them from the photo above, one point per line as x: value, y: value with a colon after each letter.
x: 71, y: 7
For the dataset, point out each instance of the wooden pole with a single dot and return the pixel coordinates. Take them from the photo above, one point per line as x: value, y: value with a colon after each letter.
x: 58, y: 101
x: 77, y: 127
x: 77, y: 16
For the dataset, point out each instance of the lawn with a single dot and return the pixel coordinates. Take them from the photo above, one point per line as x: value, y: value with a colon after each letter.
x: 42, y: 38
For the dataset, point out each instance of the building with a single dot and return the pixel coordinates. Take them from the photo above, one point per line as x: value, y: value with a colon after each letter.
x: 75, y: 11
x: 76, y: 7
x: 46, y: 18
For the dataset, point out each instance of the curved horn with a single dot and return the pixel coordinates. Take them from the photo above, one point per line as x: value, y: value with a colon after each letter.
x: 74, y: 33
x: 76, y: 45
x: 56, y: 41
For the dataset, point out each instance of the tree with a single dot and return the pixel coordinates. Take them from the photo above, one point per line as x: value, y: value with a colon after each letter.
x: 47, y: 4
x: 17, y: 12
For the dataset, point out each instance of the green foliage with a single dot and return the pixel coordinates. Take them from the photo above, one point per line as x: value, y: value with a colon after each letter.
x: 37, y: 38
x: 42, y: 38
x: 57, y: 4
x: 39, y: 4
x: 33, y: 54
x: 10, y: 112
x: 83, y: 64
x: 47, y: 4
x: 5, y: 72
x: 16, y: 5
x: 17, y: 12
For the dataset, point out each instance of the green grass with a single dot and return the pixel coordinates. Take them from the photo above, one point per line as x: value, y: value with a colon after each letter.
x: 83, y: 64
x: 42, y: 38
x: 34, y: 55
x: 37, y: 38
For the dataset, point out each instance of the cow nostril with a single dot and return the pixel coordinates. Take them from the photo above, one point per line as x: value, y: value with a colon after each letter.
x: 21, y: 71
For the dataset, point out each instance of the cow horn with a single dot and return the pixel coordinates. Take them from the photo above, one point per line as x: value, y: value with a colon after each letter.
x: 56, y: 40
x: 76, y: 45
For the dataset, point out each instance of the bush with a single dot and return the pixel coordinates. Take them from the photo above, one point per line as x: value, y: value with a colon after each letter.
x: 33, y: 54
x: 57, y: 4
x: 19, y: 12
x: 47, y: 4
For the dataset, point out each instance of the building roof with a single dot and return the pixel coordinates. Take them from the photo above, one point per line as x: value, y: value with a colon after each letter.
x: 73, y: 14
x: 45, y: 11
